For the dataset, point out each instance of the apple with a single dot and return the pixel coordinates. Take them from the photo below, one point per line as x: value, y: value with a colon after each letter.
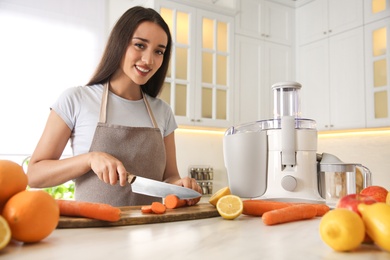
x: 378, y: 193
x: 388, y: 198
x: 351, y: 202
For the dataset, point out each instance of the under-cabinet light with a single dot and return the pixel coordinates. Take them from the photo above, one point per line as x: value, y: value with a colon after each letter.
x: 354, y: 132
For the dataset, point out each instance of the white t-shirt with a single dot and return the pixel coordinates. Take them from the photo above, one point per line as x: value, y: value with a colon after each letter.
x: 79, y: 107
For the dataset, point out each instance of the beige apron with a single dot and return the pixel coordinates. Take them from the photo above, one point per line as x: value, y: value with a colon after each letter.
x: 140, y: 149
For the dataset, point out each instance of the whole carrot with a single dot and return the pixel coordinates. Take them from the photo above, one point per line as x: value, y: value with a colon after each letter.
x: 289, y: 214
x: 158, y: 207
x: 98, y: 211
x: 173, y: 202
x: 259, y: 207
x: 321, y: 208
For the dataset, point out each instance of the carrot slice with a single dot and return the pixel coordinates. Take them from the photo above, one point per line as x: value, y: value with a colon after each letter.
x: 289, y: 214
x: 173, y: 202
x: 146, y: 209
x: 158, y: 207
x: 98, y: 211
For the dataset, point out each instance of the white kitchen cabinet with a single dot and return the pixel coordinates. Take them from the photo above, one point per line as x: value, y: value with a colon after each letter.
x: 265, y: 20
x: 375, y: 10
x: 259, y: 64
x: 331, y: 72
x: 199, y: 83
x: 378, y: 73
x: 322, y: 18
x: 200, y: 80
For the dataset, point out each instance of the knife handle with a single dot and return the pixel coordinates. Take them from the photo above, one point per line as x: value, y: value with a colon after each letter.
x: 130, y: 178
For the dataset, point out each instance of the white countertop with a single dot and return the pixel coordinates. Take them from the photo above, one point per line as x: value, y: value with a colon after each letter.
x: 213, y: 238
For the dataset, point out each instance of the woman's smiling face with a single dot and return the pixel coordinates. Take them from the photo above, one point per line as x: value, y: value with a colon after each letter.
x: 145, y: 52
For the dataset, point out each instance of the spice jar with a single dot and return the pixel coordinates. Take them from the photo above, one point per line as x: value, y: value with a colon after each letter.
x: 193, y: 173
x: 205, y: 189
x: 210, y: 187
x: 210, y: 173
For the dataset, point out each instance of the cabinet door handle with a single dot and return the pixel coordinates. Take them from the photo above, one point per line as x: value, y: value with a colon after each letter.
x: 196, y: 120
x: 330, y: 31
x: 325, y: 32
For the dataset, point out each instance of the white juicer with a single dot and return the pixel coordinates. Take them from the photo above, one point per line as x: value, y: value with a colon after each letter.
x: 276, y: 158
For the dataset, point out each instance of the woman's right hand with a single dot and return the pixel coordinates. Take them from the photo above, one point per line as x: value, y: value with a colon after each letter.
x: 108, y: 168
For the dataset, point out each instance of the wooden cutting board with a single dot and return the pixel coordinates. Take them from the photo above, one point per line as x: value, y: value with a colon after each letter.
x: 132, y: 215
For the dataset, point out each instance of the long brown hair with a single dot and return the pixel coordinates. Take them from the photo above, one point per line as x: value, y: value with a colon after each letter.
x: 118, y: 42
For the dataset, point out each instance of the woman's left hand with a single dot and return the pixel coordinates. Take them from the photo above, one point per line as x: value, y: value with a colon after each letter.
x: 191, y: 184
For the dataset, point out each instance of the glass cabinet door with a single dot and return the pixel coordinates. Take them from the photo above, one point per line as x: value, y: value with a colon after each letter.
x: 176, y: 90
x: 213, y: 74
x: 199, y: 78
x: 378, y: 72
x: 376, y: 9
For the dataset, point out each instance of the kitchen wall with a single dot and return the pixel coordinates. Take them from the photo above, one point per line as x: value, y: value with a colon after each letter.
x: 371, y: 149
x: 201, y: 148
x: 368, y: 148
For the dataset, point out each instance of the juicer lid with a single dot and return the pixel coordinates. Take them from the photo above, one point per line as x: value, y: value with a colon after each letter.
x: 286, y: 84
x: 269, y: 124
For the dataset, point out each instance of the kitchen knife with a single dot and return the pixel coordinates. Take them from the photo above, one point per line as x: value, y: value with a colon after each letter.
x: 159, y: 189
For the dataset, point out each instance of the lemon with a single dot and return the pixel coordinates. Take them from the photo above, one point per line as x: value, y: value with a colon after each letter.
x: 219, y: 194
x: 230, y: 206
x: 5, y: 233
x: 377, y: 222
x: 342, y: 229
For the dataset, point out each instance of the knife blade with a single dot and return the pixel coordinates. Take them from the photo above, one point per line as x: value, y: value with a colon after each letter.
x: 160, y: 189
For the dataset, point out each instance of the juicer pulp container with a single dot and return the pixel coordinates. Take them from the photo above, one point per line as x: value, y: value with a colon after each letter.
x: 245, y: 157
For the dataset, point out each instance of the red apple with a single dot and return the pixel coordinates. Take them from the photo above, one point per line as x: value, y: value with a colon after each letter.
x: 351, y: 201
x: 378, y: 193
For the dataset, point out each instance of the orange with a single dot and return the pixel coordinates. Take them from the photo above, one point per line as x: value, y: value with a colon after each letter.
x: 32, y: 215
x: 12, y: 180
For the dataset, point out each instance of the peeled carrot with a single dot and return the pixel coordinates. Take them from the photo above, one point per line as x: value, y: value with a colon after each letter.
x: 289, y: 214
x: 158, y: 207
x: 173, y: 202
x: 146, y: 209
x: 98, y: 211
x: 259, y: 207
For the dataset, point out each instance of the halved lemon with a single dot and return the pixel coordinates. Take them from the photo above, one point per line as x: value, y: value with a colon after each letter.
x: 5, y: 233
x: 219, y: 194
x: 230, y: 206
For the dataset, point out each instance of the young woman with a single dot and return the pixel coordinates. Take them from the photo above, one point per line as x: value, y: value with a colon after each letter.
x: 116, y: 123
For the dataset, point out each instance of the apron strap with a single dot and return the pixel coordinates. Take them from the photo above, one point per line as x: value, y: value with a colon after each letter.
x: 154, y: 122
x: 103, y: 107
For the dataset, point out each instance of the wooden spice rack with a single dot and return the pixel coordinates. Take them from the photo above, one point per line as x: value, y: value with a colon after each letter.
x: 204, y: 175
